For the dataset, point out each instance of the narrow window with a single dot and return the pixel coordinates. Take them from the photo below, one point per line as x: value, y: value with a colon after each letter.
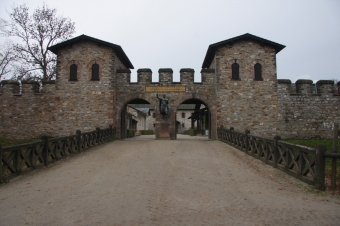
x: 73, y: 72
x: 95, y: 72
x: 235, y: 71
x: 153, y: 115
x: 258, y: 71
x: 183, y: 115
x: 182, y: 124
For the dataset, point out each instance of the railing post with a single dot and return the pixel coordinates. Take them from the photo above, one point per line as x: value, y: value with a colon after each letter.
x: 78, y: 132
x: 334, y: 160
x: 16, y: 161
x: 111, y: 132
x: 45, y: 150
x: 301, y: 163
x: 319, y: 174
x: 231, y: 135
x: 276, y: 150
x: 1, y: 163
x: 247, y: 140
x: 219, y: 133
x: 98, y: 135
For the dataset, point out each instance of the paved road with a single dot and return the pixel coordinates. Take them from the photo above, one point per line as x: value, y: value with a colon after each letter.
x: 157, y: 182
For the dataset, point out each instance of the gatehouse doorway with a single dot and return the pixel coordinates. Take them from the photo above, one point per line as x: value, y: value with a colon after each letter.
x: 136, y: 119
x: 193, y: 118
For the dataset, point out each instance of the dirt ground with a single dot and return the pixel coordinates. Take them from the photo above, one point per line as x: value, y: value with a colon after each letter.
x: 143, y: 181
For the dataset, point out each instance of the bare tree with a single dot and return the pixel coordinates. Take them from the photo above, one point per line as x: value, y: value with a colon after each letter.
x: 37, y: 32
x: 3, y: 26
x: 7, y: 58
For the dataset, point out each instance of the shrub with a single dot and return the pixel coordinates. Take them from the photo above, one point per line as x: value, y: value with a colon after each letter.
x: 130, y: 132
x: 192, y: 132
x: 146, y: 132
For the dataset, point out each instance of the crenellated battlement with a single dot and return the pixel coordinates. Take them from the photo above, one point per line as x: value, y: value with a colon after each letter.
x: 307, y: 87
x: 307, y: 110
x: 16, y: 88
x: 10, y: 86
x: 144, y: 76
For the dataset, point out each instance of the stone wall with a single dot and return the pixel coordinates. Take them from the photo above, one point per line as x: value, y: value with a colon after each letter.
x: 303, y: 114
x: 127, y: 92
x: 247, y: 104
x: 64, y: 106
x: 29, y: 113
x: 85, y: 104
x: 266, y: 107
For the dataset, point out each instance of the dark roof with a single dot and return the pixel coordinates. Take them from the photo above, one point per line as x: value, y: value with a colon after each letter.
x: 213, y: 47
x: 119, y: 51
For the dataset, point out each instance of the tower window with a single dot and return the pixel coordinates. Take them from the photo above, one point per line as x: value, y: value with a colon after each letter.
x: 73, y: 72
x: 95, y: 72
x: 258, y: 71
x: 235, y: 68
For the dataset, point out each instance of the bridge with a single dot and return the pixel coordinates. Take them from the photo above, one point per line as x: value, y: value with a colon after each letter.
x: 143, y: 181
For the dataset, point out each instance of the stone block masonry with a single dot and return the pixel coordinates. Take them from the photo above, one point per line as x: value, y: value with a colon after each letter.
x: 187, y: 89
x: 249, y: 98
x: 28, y: 114
x: 246, y: 103
x: 303, y: 114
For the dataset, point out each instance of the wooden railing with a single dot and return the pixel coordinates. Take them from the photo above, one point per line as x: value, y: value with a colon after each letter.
x: 19, y: 158
x: 306, y: 164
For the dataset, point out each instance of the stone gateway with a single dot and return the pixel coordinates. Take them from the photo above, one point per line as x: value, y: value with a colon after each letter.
x: 239, y: 88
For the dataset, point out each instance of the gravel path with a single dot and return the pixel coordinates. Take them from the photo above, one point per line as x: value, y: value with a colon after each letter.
x: 189, y: 181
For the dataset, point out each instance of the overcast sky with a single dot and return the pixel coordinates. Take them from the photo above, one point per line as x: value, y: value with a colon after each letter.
x: 176, y: 34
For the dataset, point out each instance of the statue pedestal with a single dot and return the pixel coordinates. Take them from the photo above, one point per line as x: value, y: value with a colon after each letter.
x: 164, y: 133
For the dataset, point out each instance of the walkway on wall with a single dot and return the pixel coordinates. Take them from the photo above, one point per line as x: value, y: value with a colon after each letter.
x: 163, y: 182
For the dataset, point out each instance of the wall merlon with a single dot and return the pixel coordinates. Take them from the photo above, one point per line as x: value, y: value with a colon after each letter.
x: 10, y: 86
x: 304, y: 86
x: 325, y: 86
x: 144, y: 75
x: 165, y: 76
x: 30, y: 86
x: 187, y: 75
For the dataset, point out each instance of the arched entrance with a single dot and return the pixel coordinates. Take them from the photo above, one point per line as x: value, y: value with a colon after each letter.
x: 193, y: 118
x: 136, y: 118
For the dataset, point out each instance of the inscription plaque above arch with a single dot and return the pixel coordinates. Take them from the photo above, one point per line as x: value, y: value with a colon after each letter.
x: 165, y: 89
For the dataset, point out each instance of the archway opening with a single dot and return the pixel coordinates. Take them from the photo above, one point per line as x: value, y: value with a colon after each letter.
x: 193, y: 118
x: 137, y: 118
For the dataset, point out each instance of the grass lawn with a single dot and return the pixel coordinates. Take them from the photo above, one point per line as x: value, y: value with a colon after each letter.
x: 11, y: 141
x: 314, y: 143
